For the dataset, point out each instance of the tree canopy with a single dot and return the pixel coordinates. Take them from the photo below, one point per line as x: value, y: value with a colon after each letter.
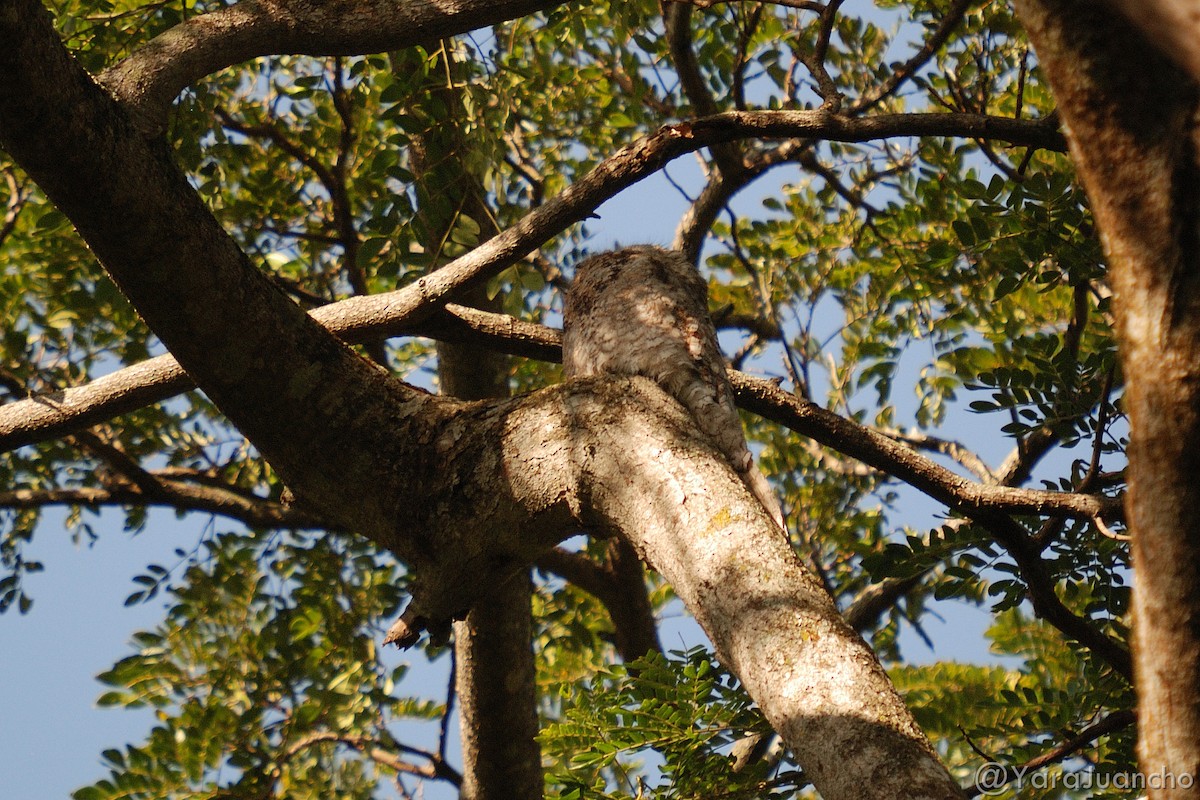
x: 919, y: 289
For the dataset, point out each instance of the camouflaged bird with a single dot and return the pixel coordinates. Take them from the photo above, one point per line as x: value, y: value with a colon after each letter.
x: 644, y: 311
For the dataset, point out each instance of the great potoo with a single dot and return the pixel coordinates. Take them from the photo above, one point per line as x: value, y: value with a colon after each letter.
x: 644, y: 311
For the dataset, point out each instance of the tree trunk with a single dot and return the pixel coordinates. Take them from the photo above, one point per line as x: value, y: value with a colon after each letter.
x: 497, y: 697
x: 495, y: 673
x: 1131, y: 122
x: 495, y: 676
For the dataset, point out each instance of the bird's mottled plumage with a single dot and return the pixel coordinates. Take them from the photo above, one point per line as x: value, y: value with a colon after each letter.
x: 644, y: 311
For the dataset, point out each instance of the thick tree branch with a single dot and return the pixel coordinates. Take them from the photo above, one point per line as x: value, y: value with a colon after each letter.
x: 1116, y: 721
x: 814, y: 59
x: 1173, y: 26
x: 495, y: 671
x: 877, y: 598
x: 151, y: 78
x: 763, y: 612
x: 313, y: 401
x: 373, y: 315
x: 469, y: 493
x: 49, y: 415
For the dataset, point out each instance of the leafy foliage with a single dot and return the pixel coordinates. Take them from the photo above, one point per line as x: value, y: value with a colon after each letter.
x: 291, y: 675
x: 683, y: 708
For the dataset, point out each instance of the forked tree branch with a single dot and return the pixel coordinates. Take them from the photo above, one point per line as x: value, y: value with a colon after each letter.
x: 950, y: 20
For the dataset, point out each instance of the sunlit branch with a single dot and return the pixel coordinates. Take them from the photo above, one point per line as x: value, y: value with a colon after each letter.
x: 873, y: 448
x: 959, y: 453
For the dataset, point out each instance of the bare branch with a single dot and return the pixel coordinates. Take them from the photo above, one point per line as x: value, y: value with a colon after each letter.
x: 947, y: 447
x: 949, y: 21
x: 678, y: 20
x: 815, y: 61
x: 257, y: 513
x: 46, y: 416
x: 277, y: 136
x: 1116, y: 721
x: 852, y: 195
x: 987, y: 506
x: 436, y: 767
x: 722, y: 187
x: 881, y: 452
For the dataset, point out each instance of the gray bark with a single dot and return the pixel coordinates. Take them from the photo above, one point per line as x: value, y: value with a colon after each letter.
x: 497, y: 696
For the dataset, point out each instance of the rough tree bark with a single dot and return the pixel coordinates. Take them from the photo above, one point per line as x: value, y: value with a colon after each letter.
x: 1171, y: 25
x: 1132, y: 128
x: 467, y: 494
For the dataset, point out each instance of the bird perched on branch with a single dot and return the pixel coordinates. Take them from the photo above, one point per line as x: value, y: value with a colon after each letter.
x: 644, y: 311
